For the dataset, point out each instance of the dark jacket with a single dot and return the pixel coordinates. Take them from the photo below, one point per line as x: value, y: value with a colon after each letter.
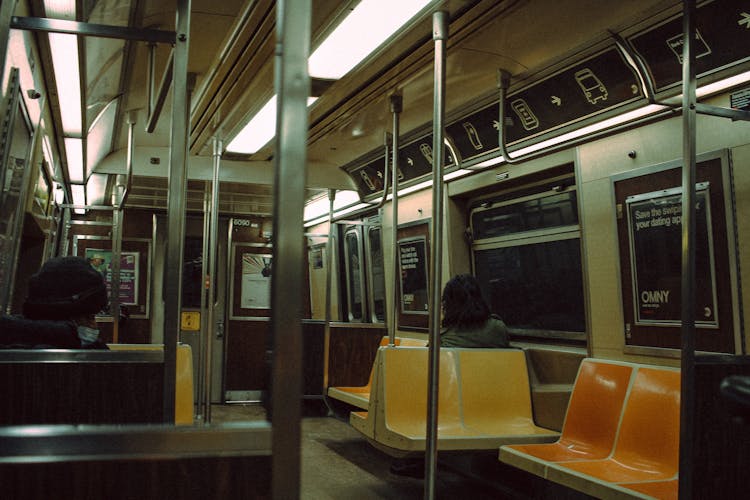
x: 17, y: 332
x: 492, y: 333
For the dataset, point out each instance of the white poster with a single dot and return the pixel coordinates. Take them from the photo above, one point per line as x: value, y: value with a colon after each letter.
x: 256, y: 281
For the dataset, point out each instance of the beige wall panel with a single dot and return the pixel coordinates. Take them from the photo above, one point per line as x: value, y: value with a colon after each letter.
x: 655, y: 143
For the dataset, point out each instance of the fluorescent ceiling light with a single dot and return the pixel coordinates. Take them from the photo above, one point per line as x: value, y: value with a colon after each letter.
x: 74, y: 154
x: 259, y: 130
x: 60, y: 9
x: 79, y: 197
x: 319, y: 207
x: 370, y: 24
x: 64, y: 50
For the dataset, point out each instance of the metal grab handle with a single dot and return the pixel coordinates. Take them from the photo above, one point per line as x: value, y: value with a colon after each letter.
x: 220, y: 329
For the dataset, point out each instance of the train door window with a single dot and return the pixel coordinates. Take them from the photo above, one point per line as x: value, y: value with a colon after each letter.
x: 527, y: 258
x: 354, y: 275
x: 364, y: 278
x: 375, y: 276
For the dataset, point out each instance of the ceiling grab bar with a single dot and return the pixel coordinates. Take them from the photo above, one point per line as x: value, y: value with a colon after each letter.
x: 386, y: 142
x: 649, y: 88
x: 503, y: 82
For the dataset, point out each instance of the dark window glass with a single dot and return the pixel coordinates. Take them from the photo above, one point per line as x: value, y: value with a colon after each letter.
x: 192, y: 271
x: 536, y: 286
x: 376, y: 266
x: 555, y: 210
x: 354, y: 276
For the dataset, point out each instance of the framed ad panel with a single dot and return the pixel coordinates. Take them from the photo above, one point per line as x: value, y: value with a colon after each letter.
x: 413, y: 266
x: 648, y: 218
x: 135, y: 268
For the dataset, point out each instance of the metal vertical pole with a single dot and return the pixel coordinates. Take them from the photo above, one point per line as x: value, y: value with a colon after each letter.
x: 150, y: 82
x: 292, y: 88
x: 205, y: 329
x: 440, y: 36
x: 329, y: 276
x: 18, y: 216
x: 218, y: 145
x: 687, y: 396
x: 176, y: 206
x: 115, y: 264
x: 396, y: 107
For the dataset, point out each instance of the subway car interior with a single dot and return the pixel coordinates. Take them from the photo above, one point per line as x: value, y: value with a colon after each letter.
x: 275, y: 194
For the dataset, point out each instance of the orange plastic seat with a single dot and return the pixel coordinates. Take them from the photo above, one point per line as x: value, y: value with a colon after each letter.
x: 591, y: 420
x: 663, y: 490
x: 647, y: 446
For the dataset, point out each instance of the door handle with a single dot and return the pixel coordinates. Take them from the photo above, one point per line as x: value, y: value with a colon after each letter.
x: 220, y: 329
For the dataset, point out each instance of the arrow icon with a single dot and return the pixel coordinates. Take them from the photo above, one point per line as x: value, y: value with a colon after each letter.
x: 745, y: 20
x: 556, y: 100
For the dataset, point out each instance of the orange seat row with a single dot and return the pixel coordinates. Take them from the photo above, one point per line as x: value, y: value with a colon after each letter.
x: 620, y: 438
x: 484, y: 401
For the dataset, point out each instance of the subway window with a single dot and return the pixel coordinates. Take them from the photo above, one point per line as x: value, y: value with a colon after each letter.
x: 527, y: 257
x: 363, y: 264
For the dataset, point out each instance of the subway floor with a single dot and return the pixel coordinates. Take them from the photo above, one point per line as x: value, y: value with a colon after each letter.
x: 338, y: 463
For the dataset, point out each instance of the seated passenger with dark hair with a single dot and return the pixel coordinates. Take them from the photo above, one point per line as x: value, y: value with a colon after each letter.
x: 467, y: 321
x: 60, y: 308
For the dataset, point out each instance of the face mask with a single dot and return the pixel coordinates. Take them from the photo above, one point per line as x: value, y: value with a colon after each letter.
x: 87, y: 335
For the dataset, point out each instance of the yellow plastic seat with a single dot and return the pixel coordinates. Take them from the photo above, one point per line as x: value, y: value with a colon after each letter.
x: 647, y: 446
x: 496, y: 396
x: 359, y: 396
x: 591, y: 420
x: 396, y: 421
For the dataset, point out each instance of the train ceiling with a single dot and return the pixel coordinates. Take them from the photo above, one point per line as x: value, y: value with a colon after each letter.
x: 231, y: 67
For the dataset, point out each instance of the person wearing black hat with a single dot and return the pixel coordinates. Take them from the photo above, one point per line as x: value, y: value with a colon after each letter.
x: 60, y: 308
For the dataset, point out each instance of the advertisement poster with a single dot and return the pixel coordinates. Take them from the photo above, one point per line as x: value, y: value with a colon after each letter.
x: 655, y: 226
x: 101, y: 260
x: 256, y: 281
x: 413, y: 266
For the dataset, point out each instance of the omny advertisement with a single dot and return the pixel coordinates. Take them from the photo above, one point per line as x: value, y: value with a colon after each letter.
x: 413, y: 265
x: 655, y: 226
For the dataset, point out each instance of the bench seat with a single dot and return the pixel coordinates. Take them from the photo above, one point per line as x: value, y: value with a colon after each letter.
x: 359, y: 396
x: 620, y: 429
x: 184, y: 401
x: 472, y: 414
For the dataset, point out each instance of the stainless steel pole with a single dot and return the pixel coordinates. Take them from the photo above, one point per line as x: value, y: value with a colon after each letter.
x: 176, y: 206
x: 329, y: 276
x: 292, y: 88
x: 687, y: 389
x: 213, y: 239
x: 397, y: 102
x: 440, y: 36
x: 205, y: 328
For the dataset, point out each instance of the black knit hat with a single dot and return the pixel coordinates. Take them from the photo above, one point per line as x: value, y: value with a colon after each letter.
x: 65, y: 287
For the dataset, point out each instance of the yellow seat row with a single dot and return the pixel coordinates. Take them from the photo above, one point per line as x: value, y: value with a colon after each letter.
x: 621, y: 434
x: 184, y: 406
x: 484, y: 401
x: 359, y: 396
